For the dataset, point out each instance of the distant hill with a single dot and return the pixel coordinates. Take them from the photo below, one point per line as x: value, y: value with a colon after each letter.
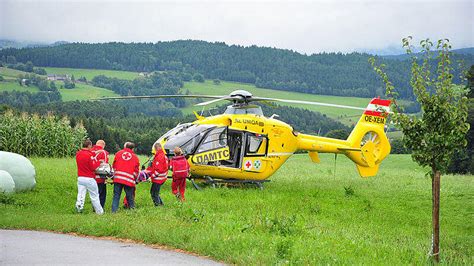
x: 326, y: 73
x: 462, y: 51
x: 4, y: 43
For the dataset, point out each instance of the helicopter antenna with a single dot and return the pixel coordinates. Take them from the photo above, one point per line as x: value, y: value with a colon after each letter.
x: 319, y: 131
x: 335, y: 160
x: 202, y: 111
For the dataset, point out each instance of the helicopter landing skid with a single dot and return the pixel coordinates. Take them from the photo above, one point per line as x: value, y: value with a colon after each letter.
x: 214, y: 182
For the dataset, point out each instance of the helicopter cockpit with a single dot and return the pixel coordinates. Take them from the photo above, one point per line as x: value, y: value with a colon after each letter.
x: 201, y: 139
x: 244, y: 110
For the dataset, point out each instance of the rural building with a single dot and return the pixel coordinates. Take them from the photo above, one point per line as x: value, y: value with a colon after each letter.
x: 58, y: 77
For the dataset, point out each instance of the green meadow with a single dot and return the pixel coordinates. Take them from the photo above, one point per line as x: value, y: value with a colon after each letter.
x: 308, y: 214
x: 9, y: 73
x: 84, y: 92
x: 80, y: 92
x: 13, y: 85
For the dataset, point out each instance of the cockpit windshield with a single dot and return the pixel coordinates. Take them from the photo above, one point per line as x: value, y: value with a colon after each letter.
x: 244, y: 110
x: 187, y: 138
x: 179, y: 128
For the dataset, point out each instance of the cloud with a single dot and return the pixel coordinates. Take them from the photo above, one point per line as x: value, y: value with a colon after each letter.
x: 307, y: 27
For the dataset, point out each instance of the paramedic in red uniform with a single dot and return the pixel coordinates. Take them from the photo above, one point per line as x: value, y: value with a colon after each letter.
x: 126, y: 167
x: 86, y: 165
x: 180, y: 167
x: 158, y: 174
x: 101, y: 155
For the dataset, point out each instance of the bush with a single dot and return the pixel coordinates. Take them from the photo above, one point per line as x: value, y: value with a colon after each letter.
x: 198, y: 77
x: 32, y: 135
x: 40, y: 71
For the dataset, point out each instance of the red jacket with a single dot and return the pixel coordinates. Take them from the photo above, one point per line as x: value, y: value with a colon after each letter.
x: 180, y: 167
x: 86, y: 163
x: 126, y: 166
x: 100, y: 154
x: 159, y: 168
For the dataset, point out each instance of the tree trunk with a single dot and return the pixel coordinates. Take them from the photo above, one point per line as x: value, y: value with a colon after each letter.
x: 435, y: 183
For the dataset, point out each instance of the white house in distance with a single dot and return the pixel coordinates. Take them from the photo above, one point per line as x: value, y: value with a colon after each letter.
x: 58, y: 77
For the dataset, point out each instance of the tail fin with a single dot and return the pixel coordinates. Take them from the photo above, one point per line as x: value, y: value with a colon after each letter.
x: 369, y: 136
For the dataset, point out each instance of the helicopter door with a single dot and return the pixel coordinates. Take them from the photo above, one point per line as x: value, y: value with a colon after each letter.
x: 234, y: 140
x: 256, y: 148
x: 213, y: 148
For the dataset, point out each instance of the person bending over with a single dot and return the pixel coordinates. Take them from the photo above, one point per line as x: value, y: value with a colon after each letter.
x: 102, y: 156
x: 126, y: 167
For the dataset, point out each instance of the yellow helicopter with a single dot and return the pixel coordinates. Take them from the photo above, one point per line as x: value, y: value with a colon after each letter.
x: 242, y: 145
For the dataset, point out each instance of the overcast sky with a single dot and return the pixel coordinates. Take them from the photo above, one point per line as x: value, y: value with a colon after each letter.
x: 307, y: 27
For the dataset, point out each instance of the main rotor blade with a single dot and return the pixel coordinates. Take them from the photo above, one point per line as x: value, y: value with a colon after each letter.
x: 211, y: 101
x: 306, y: 102
x: 160, y: 96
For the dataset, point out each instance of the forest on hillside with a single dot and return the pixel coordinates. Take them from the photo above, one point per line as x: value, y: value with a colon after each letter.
x: 325, y: 73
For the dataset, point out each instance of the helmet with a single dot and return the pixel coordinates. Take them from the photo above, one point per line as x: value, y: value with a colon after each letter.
x: 104, y: 169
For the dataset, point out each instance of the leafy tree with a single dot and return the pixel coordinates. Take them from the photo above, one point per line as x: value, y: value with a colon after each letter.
x: 52, y: 86
x: 398, y: 147
x: 338, y: 134
x: 440, y: 131
x: 40, y: 71
x: 1, y: 78
x: 43, y: 85
x: 68, y: 84
x: 11, y: 59
x: 198, y: 77
x: 463, y: 161
x: 29, y: 67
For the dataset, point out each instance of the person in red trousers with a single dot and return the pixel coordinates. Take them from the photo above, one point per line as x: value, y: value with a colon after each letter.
x: 180, y: 167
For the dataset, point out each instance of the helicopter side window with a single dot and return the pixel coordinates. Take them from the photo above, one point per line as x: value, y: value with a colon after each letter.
x: 217, y: 138
x: 256, y: 145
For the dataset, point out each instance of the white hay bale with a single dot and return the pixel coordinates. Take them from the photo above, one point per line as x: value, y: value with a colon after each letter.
x: 6, y: 182
x: 20, y: 169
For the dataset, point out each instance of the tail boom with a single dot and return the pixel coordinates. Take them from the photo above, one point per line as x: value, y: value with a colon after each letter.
x: 366, y: 146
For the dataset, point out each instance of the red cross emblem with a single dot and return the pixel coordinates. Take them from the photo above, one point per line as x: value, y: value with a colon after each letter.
x: 126, y: 156
x: 248, y: 165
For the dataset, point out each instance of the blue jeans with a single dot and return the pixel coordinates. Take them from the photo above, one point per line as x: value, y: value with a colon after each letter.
x: 155, y: 194
x: 118, y: 192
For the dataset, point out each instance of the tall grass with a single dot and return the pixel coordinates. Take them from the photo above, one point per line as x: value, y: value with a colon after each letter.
x: 34, y: 135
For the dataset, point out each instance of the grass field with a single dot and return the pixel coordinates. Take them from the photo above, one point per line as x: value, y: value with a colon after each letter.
x: 307, y: 214
x: 13, y: 85
x: 84, y: 92
x: 347, y: 116
x: 9, y: 73
x: 80, y: 92
x: 91, y: 73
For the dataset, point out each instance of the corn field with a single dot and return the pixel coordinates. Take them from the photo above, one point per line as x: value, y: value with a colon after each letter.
x: 34, y: 135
